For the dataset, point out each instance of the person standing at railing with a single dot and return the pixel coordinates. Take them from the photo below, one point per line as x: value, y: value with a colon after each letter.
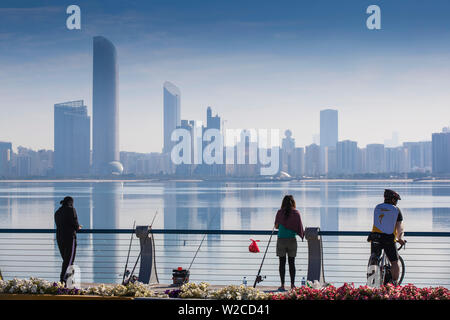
x: 67, y: 225
x: 289, y: 224
x: 387, y: 229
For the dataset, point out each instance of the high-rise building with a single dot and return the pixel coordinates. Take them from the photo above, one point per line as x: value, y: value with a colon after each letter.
x: 215, y: 169
x: 5, y: 159
x: 441, y: 152
x: 396, y: 160
x: 328, y: 128
x: 312, y: 160
x: 362, y: 160
x: 328, y: 140
x: 298, y: 162
x: 212, y: 122
x: 172, y: 118
x: 72, y: 139
x: 287, y: 152
x: 419, y: 156
x: 105, y: 105
x: 347, y: 157
x: 375, y: 158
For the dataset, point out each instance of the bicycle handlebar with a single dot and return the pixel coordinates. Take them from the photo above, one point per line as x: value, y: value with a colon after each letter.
x: 402, y: 245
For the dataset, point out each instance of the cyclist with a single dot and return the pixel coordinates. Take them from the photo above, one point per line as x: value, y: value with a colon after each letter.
x: 387, y: 229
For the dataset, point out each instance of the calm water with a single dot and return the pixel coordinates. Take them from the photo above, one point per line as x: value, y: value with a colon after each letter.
x: 225, y: 205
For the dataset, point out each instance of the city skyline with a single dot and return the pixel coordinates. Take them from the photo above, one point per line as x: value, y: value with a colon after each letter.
x: 318, y: 62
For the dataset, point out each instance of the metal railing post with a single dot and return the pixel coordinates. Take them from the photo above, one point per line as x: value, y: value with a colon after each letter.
x: 147, y: 269
x: 315, y: 255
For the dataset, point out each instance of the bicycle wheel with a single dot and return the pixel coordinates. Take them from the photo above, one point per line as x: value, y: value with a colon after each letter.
x: 402, y: 270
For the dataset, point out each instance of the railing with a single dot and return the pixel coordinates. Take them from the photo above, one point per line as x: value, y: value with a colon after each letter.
x: 224, y: 257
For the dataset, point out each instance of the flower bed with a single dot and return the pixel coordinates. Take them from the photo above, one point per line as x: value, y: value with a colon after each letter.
x: 39, y: 286
x: 312, y: 291
x: 350, y: 292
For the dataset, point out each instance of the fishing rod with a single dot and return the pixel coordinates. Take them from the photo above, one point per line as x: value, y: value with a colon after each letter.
x: 258, y: 276
x: 128, y: 256
x: 140, y: 252
x: 198, y: 249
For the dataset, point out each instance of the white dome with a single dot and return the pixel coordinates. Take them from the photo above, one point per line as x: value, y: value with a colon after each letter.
x: 284, y: 174
x: 115, y: 168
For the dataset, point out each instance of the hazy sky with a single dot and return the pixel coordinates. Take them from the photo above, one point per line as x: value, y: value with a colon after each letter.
x: 259, y: 64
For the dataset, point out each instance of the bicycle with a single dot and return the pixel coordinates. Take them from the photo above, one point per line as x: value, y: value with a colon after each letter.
x: 379, y: 272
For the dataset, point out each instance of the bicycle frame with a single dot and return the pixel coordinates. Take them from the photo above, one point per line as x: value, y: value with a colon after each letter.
x: 376, y: 274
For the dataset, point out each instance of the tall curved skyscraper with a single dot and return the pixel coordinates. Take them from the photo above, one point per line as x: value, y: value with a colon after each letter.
x: 105, y: 106
x: 171, y: 113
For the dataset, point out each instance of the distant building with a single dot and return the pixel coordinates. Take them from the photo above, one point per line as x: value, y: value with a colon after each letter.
x: 347, y: 157
x: 396, y: 160
x: 5, y: 159
x: 287, y: 152
x: 312, y: 160
x: 362, y: 160
x: 72, y: 139
x: 419, y: 156
x: 441, y: 152
x: 215, y: 169
x: 329, y: 137
x: 298, y: 162
x: 31, y: 163
x: 328, y: 128
x: 172, y: 111
x: 375, y: 158
x: 212, y: 122
x: 105, y: 106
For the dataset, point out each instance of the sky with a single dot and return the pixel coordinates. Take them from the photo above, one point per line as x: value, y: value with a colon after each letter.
x: 258, y: 64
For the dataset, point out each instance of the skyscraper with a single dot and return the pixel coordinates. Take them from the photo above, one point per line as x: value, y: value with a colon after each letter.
x: 287, y: 152
x: 328, y: 140
x: 441, y: 152
x: 328, y: 128
x: 72, y: 139
x: 312, y: 160
x: 212, y: 122
x: 171, y: 113
x: 375, y: 158
x: 347, y: 157
x: 5, y: 158
x: 105, y: 106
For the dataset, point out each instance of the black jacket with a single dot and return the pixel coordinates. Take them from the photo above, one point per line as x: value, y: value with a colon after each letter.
x: 66, y: 221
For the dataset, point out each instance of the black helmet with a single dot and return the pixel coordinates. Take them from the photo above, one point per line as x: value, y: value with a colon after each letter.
x: 391, y: 194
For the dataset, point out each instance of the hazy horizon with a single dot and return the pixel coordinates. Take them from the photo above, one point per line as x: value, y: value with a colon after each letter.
x: 257, y: 64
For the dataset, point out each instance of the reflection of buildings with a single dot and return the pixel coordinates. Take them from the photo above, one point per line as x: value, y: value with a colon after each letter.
x: 105, y: 215
x: 7, y: 203
x: 184, y: 209
x: 440, y: 215
x: 329, y: 208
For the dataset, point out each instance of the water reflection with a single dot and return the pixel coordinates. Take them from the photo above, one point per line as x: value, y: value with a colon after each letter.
x: 106, y: 198
x: 441, y: 207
